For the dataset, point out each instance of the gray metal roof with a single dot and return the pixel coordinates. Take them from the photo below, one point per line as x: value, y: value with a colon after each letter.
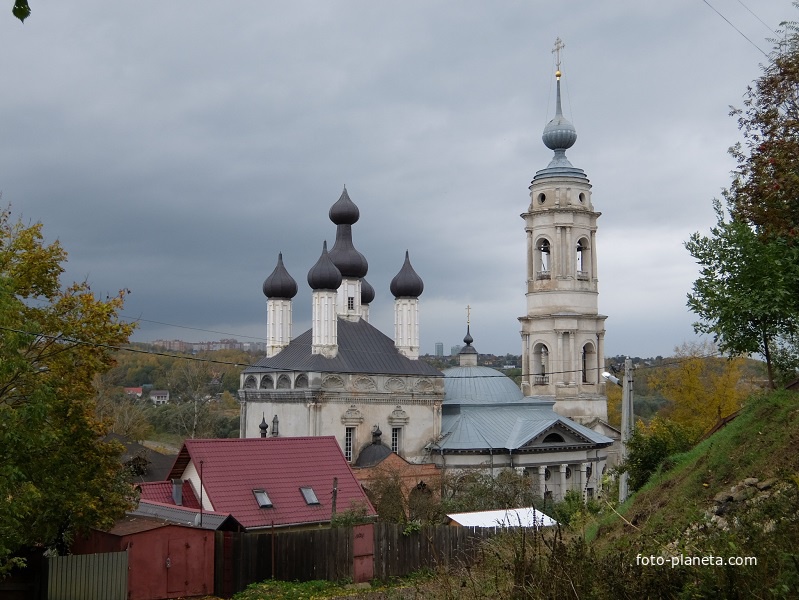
x: 464, y: 385
x: 361, y: 349
x: 184, y: 516
x: 508, y: 426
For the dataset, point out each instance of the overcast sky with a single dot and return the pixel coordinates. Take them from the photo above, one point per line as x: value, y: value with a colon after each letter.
x: 175, y: 148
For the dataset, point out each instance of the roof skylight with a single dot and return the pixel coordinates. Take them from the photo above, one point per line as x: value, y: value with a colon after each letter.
x: 309, y: 495
x: 262, y: 498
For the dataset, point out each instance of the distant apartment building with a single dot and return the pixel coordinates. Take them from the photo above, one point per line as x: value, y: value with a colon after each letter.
x: 439, y: 349
x: 223, y: 344
x: 455, y: 350
x: 173, y: 345
x: 257, y: 347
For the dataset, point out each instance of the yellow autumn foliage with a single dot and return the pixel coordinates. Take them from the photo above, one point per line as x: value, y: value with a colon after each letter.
x: 701, y: 386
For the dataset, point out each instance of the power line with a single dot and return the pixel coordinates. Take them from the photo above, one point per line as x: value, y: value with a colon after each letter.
x: 140, y: 320
x: 735, y: 28
x: 756, y: 17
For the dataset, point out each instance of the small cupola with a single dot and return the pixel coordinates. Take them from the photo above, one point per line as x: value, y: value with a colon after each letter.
x: 344, y: 211
x: 324, y: 275
x: 263, y: 426
x: 407, y: 283
x: 467, y: 357
x: 324, y: 278
x: 367, y: 292
x: 279, y: 289
x: 407, y: 286
x: 347, y: 259
x: 280, y: 284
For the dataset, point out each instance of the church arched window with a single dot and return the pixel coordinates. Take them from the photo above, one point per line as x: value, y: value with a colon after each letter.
x: 588, y: 363
x: 583, y: 259
x: 283, y: 382
x: 553, y: 438
x: 543, y: 256
x: 267, y: 383
x: 302, y: 381
x: 249, y: 383
x: 540, y: 364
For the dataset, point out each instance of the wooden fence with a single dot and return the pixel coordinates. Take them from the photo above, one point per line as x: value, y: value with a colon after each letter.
x: 398, y: 554
x: 88, y: 577
x: 244, y: 558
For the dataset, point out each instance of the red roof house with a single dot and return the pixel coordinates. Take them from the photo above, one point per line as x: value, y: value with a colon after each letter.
x: 165, y: 492
x: 266, y: 482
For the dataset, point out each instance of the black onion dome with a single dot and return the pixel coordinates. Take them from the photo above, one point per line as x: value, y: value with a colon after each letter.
x: 367, y: 292
x: 280, y: 284
x: 374, y: 453
x: 468, y: 348
x: 344, y: 211
x: 347, y: 259
x: 324, y: 275
x: 407, y: 283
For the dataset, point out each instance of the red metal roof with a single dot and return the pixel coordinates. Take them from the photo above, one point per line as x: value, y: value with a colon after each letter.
x: 233, y: 468
x: 161, y: 491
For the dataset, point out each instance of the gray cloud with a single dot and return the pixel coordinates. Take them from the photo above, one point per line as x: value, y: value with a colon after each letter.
x: 175, y: 151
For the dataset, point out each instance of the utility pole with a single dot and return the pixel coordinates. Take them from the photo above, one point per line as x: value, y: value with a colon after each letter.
x: 627, y: 418
x: 335, y: 497
x: 627, y: 422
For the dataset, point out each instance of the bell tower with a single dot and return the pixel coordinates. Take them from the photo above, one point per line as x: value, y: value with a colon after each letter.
x: 563, y: 332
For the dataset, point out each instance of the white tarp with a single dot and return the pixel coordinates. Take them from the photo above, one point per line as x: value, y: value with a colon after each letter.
x: 512, y: 517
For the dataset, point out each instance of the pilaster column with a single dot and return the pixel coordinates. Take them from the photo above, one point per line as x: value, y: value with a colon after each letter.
x: 564, y: 483
x: 557, y: 253
x: 600, y: 355
x: 530, y: 256
x: 573, y: 377
x: 584, y: 480
x: 568, y: 254
x: 542, y: 480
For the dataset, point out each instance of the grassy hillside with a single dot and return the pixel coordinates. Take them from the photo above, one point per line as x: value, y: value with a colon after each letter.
x: 733, y: 497
x: 762, y: 443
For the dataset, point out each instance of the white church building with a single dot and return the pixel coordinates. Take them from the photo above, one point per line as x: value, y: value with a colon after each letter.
x: 345, y: 378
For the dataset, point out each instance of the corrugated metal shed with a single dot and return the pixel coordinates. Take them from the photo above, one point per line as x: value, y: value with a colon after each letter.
x: 186, y: 516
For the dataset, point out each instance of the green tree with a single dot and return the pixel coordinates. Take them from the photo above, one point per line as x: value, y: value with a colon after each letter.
x: 21, y: 10
x: 747, y: 294
x: 57, y: 476
x: 650, y: 445
x: 765, y: 185
x: 120, y: 413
